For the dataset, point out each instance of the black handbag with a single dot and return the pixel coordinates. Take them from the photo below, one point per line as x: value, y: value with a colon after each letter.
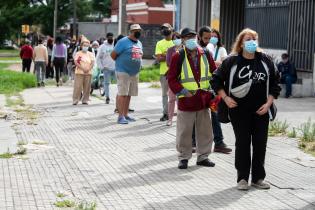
x: 223, y: 112
x: 272, y: 112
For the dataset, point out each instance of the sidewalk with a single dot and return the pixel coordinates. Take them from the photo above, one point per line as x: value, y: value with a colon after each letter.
x: 90, y: 157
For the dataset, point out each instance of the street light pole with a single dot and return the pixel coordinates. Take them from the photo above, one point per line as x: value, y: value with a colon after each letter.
x: 122, y: 17
x: 74, y: 32
x: 55, y: 17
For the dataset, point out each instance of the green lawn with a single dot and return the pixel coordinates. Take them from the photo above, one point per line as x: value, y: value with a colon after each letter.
x: 13, y: 52
x: 15, y: 58
x: 12, y: 82
x: 149, y: 74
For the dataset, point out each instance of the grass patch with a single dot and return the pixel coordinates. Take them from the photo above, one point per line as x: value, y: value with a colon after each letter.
x: 155, y: 85
x: 39, y: 142
x: 12, y: 82
x: 307, y: 138
x: 84, y: 205
x: 60, y: 195
x: 149, y: 74
x: 64, y: 204
x: 14, y: 100
x: 17, y: 59
x: 9, y: 51
x: 278, y: 128
x: 21, y: 151
x: 21, y: 143
x: 6, y: 155
x: 292, y: 133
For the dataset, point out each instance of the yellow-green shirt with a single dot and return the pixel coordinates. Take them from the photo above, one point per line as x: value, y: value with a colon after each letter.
x: 161, y: 49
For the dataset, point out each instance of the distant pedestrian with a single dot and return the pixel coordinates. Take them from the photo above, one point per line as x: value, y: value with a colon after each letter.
x: 49, y: 68
x: 218, y: 51
x: 288, y: 74
x: 128, y: 57
x: 171, y: 96
x: 247, y: 82
x: 40, y: 57
x: 106, y: 64
x: 59, y: 58
x: 84, y: 61
x: 188, y: 78
x: 160, y: 53
x: 26, y: 55
x: 95, y: 46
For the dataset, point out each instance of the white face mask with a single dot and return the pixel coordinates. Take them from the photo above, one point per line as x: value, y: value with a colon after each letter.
x: 85, y: 49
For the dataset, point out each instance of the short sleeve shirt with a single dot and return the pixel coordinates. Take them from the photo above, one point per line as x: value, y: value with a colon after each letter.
x: 129, y: 56
x: 161, y: 49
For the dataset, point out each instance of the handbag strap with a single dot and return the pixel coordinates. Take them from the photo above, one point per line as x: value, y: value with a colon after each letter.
x: 216, y: 54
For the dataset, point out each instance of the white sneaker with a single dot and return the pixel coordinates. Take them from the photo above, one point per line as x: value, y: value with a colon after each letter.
x: 260, y: 184
x: 242, y: 185
x: 169, y: 123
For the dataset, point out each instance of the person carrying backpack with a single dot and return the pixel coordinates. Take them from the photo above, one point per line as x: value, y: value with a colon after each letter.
x: 188, y: 78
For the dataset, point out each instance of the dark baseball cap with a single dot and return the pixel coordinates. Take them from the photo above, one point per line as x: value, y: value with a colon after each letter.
x: 186, y: 31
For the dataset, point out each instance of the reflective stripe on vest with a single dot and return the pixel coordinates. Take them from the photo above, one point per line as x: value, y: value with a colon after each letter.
x: 187, y: 76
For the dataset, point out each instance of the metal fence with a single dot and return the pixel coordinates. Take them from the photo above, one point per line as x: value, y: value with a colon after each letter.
x: 231, y: 20
x: 301, y: 44
x: 204, y: 8
x: 270, y: 19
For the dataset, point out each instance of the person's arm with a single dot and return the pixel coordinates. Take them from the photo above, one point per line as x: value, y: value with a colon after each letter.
x: 21, y: 52
x: 160, y: 56
x: 218, y: 80
x: 118, y: 49
x: 66, y: 54
x: 173, y: 77
x: 212, y: 64
x: 53, y: 54
x: 46, y: 56
x: 169, y: 54
x: 34, y: 55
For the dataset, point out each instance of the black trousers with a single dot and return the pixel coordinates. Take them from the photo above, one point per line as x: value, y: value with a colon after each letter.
x: 49, y: 69
x: 249, y: 129
x: 26, y: 65
x: 59, y: 64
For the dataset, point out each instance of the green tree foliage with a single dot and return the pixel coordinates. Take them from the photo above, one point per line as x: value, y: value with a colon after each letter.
x: 15, y: 13
x: 102, y: 7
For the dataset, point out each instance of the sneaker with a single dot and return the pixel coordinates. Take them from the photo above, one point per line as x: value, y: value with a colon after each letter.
x: 107, y: 100
x: 116, y: 110
x: 193, y: 150
x: 122, y: 120
x: 42, y: 84
x: 206, y: 163
x: 164, y: 117
x: 242, y: 185
x: 38, y: 84
x: 85, y: 103
x: 130, y: 119
x: 169, y: 123
x: 260, y: 184
x: 183, y: 164
x: 131, y: 110
x: 222, y: 149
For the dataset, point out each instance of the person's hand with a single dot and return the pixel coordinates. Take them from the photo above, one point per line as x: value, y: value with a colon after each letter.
x: 217, y: 63
x: 230, y: 102
x: 263, y: 109
x: 188, y: 94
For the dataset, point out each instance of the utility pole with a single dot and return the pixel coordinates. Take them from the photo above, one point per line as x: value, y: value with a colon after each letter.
x: 55, y: 17
x: 74, y: 27
x: 122, y: 26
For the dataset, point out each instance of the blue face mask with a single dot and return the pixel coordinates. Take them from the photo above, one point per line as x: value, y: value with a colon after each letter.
x: 214, y: 40
x: 177, y: 42
x: 191, y: 44
x: 250, y: 46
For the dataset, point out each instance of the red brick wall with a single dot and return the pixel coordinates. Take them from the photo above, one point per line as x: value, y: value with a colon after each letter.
x: 160, y: 17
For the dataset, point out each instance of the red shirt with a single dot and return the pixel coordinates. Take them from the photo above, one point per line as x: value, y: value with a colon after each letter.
x: 26, y: 52
x: 174, y: 72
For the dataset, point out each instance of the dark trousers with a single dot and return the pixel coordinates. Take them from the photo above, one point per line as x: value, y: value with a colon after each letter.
x: 49, y: 69
x: 288, y: 80
x: 217, y: 131
x: 26, y: 65
x: 249, y: 128
x: 59, y: 64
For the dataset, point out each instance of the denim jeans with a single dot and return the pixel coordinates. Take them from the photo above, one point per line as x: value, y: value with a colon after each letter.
x: 109, y: 75
x: 287, y: 80
x: 217, y: 131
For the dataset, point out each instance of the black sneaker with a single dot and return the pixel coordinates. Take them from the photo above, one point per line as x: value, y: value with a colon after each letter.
x: 183, y: 164
x: 116, y: 110
x: 38, y: 84
x: 206, y: 163
x: 131, y: 110
x: 222, y: 148
x: 42, y: 84
x: 107, y: 100
x: 164, y: 117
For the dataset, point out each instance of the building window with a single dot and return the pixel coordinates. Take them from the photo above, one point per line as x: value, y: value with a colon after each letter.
x: 265, y: 3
